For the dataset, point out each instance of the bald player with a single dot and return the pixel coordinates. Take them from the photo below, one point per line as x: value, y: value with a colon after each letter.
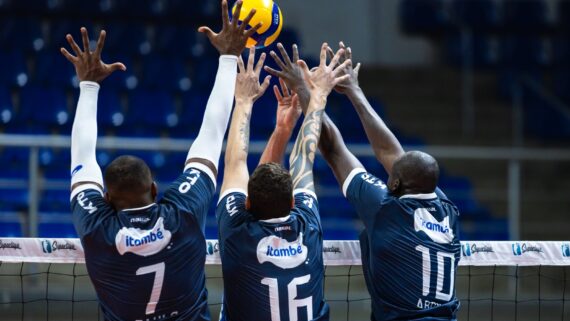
x: 146, y: 257
x: 410, y: 248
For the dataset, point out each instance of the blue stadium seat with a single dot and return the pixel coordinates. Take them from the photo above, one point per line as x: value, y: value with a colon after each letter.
x: 14, y: 69
x: 11, y: 229
x: 45, y: 106
x: 165, y: 73
x: 121, y: 80
x: 14, y: 199
x: 60, y: 28
x: 22, y: 34
x: 480, y: 15
x: 6, y: 107
x: 127, y: 38
x: 143, y: 9
x: 175, y: 40
x: 193, y: 106
x: 204, y: 73
x: 110, y: 112
x: 54, y: 201
x: 420, y: 16
x: 525, y: 15
x: 91, y: 8
x: 53, y: 69
x: 55, y: 163
x: 56, y: 230
x: 152, y: 109
x: 561, y: 51
x: 562, y: 83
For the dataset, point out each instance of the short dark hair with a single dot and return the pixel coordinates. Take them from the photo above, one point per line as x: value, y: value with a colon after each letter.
x: 417, y: 171
x: 270, y: 191
x: 128, y: 175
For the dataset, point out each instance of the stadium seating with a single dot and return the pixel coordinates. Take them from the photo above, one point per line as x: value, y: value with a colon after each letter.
x: 170, y: 70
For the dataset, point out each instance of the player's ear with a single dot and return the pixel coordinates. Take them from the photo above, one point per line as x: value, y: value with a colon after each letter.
x: 154, y: 190
x: 247, y: 203
x: 394, y: 185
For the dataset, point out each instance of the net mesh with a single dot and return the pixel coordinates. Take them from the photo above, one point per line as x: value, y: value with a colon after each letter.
x: 495, y: 281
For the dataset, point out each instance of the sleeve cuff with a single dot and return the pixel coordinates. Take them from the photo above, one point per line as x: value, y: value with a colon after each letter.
x: 229, y: 191
x: 349, y: 179
x: 204, y: 169
x: 89, y: 85
x: 82, y: 188
x: 306, y: 191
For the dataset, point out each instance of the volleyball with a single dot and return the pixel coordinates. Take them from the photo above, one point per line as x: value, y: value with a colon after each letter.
x: 268, y: 13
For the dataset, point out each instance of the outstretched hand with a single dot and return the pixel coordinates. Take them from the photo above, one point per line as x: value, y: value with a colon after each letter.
x: 322, y: 79
x: 290, y: 72
x: 351, y: 83
x: 288, y: 107
x: 247, y: 83
x: 88, y: 64
x: 233, y: 38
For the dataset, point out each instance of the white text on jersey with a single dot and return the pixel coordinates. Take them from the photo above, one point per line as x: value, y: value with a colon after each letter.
x: 82, y: 200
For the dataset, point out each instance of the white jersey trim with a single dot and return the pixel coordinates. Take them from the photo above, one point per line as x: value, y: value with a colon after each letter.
x: 428, y: 196
x: 139, y: 208
x: 350, y: 177
x: 204, y: 169
x: 84, y: 187
x: 277, y: 219
x: 304, y: 190
x: 231, y: 190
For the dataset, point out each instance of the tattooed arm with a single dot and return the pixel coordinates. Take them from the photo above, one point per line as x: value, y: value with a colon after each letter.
x: 248, y: 90
x: 320, y: 82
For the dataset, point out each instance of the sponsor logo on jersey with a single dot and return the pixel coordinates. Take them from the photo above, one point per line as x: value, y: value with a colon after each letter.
x: 212, y: 247
x: 522, y: 248
x: 143, y: 242
x: 282, y: 253
x: 10, y: 245
x: 468, y: 249
x: 231, y: 205
x: 439, y: 232
x: 52, y: 246
x: 566, y: 250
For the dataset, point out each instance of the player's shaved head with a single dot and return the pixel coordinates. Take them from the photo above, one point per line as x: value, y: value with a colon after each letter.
x: 270, y: 191
x: 414, y: 172
x: 129, y: 183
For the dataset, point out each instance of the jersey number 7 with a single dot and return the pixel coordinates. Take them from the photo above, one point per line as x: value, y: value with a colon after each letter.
x: 158, y: 270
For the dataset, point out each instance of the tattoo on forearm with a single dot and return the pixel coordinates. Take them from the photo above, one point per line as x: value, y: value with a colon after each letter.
x: 244, y: 132
x: 303, y: 154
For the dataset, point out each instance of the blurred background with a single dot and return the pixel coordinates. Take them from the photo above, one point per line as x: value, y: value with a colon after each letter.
x: 483, y: 85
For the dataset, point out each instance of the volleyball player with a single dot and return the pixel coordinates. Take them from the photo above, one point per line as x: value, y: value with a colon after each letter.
x: 410, y: 248
x: 269, y: 226
x: 146, y: 258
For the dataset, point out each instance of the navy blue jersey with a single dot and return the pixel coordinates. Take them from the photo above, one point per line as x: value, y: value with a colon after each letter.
x: 410, y: 250
x: 273, y: 269
x: 148, y: 263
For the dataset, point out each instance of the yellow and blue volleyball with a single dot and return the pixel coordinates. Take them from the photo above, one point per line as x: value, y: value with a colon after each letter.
x: 268, y: 13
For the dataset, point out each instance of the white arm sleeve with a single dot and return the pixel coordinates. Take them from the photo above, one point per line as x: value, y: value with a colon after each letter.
x: 208, y: 144
x: 84, y: 167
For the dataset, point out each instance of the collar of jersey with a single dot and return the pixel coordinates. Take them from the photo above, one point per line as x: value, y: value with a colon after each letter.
x: 138, y: 208
x: 420, y: 196
x: 277, y: 219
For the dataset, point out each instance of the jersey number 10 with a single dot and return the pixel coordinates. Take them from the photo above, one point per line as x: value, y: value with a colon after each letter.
x: 441, y: 275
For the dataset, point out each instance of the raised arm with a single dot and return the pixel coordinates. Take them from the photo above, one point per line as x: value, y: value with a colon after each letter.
x: 288, y: 112
x: 320, y: 81
x: 90, y: 72
x: 247, y: 91
x: 230, y: 42
x: 385, y: 145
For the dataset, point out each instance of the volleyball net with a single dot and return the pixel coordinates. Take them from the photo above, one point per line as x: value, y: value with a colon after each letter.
x: 46, y: 279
